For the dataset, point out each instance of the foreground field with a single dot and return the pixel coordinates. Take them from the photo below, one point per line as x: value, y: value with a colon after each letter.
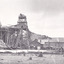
x: 21, y: 59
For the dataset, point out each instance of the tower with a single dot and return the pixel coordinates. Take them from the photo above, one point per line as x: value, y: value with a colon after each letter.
x: 22, y: 22
x: 23, y: 34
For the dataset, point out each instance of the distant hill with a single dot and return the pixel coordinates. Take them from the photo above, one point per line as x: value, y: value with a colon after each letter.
x: 38, y: 36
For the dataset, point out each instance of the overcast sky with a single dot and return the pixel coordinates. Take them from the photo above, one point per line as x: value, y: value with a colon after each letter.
x: 44, y: 17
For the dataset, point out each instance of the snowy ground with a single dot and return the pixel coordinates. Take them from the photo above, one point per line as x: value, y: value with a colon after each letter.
x: 20, y: 59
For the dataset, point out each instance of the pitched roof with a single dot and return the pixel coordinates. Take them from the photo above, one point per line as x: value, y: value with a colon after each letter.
x: 56, y: 40
x: 22, y: 16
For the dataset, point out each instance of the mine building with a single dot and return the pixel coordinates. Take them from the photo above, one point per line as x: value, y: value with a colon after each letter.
x: 53, y: 43
x: 19, y: 36
x: 16, y: 36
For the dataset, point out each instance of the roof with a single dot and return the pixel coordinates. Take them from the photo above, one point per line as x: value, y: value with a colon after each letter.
x: 56, y: 40
x: 3, y: 29
x: 22, y: 16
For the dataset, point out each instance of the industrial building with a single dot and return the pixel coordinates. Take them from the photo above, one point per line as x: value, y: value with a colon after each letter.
x: 53, y: 43
x: 20, y: 37
x: 16, y: 36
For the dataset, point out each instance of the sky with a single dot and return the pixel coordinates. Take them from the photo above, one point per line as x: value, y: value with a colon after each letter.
x: 45, y: 17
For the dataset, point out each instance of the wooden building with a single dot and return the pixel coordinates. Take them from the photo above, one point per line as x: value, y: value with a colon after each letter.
x: 54, y: 43
x: 16, y: 36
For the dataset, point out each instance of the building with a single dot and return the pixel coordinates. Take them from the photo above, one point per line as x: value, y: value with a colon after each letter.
x: 19, y: 36
x: 16, y: 36
x: 53, y: 43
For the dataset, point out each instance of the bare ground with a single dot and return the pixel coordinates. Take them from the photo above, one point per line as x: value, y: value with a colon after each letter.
x: 20, y: 59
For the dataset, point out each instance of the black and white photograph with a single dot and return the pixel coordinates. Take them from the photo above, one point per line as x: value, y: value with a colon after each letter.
x: 31, y: 31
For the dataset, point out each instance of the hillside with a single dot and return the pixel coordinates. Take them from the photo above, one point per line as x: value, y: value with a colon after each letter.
x: 38, y: 36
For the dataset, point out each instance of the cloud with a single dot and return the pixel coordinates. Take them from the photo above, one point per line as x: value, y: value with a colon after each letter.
x: 49, y: 5
x: 34, y: 5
